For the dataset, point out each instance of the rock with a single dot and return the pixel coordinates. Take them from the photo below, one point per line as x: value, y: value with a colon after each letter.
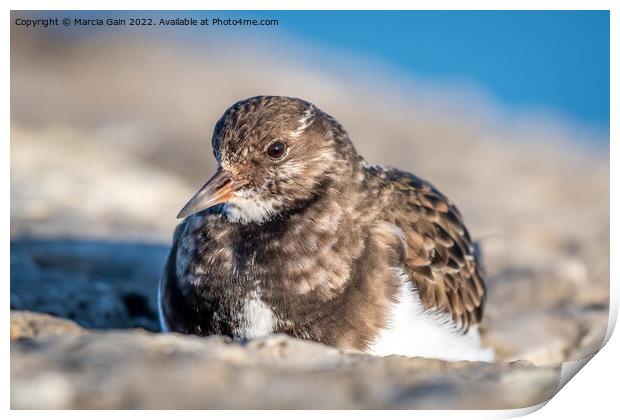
x: 46, y: 392
x: 593, y: 328
x: 88, y: 188
x: 538, y: 337
x: 136, y: 370
x: 25, y: 324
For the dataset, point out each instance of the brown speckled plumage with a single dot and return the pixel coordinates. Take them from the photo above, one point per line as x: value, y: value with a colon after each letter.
x: 327, y: 237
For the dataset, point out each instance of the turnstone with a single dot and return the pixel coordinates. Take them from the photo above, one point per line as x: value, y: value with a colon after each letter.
x: 296, y: 234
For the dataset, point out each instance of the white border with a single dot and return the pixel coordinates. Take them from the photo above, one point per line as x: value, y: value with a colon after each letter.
x: 592, y: 395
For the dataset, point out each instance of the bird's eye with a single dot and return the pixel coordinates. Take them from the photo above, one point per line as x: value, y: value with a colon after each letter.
x: 277, y: 149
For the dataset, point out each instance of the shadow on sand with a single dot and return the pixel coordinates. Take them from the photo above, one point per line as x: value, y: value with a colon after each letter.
x: 98, y: 284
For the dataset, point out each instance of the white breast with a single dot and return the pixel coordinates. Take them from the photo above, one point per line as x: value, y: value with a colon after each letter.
x: 414, y: 331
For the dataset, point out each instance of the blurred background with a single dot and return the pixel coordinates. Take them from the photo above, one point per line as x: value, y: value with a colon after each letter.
x: 505, y: 112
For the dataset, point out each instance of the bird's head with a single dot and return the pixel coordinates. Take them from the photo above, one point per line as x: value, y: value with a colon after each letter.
x: 273, y: 153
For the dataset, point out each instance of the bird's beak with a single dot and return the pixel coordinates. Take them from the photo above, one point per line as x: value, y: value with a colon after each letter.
x: 218, y: 189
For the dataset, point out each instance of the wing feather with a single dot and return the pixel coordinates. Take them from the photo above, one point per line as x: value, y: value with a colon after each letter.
x: 440, y: 256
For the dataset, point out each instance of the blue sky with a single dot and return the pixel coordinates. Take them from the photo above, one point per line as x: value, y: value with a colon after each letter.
x: 558, y: 60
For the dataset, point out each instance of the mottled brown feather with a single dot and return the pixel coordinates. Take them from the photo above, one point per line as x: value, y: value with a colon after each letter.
x: 440, y: 257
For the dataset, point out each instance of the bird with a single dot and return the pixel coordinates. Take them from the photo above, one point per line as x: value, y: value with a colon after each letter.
x: 297, y: 234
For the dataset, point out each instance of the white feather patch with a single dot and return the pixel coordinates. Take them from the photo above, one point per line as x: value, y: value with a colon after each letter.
x: 414, y: 331
x: 247, y: 209
x: 257, y: 318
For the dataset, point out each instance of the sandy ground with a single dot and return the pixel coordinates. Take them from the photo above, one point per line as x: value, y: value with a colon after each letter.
x: 110, y: 136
